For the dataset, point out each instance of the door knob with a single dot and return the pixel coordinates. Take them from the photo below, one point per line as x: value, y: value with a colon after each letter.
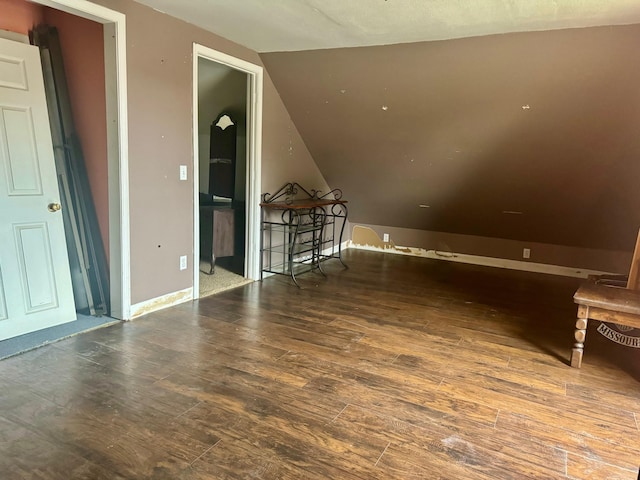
x: 54, y: 207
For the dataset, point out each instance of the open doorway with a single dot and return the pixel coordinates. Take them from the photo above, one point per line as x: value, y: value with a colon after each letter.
x: 117, y: 208
x: 227, y: 134
x: 222, y: 152
x: 74, y: 79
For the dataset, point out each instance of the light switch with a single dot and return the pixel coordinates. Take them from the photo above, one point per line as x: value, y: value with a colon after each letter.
x: 183, y: 172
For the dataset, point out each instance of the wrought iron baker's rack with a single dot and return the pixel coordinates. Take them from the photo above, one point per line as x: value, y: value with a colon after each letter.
x: 301, y: 229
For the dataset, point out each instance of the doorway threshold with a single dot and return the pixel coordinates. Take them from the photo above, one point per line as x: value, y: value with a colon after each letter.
x: 29, y: 341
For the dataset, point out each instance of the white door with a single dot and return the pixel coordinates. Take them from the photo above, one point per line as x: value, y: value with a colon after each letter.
x: 35, y: 282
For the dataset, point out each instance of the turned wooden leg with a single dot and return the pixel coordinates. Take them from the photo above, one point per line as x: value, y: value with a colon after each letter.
x: 580, y: 334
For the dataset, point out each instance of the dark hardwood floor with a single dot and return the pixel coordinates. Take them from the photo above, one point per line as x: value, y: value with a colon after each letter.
x: 397, y: 368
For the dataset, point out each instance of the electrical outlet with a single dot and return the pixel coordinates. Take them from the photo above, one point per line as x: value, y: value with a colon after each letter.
x: 526, y: 253
x: 183, y: 173
x: 385, y: 237
x: 183, y: 262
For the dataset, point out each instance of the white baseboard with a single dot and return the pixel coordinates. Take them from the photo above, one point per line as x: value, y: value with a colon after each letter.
x: 334, y: 250
x: 159, y: 303
x: 485, y: 261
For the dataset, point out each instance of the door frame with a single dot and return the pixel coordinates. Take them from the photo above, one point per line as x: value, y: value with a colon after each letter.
x: 115, y: 53
x: 254, y: 160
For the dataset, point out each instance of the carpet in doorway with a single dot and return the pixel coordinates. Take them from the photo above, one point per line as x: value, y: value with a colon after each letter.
x: 220, y: 281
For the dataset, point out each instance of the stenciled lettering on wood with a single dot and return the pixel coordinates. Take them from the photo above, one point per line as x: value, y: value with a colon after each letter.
x: 621, y: 334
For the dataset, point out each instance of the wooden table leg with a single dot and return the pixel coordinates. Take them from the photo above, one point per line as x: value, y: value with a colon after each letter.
x: 580, y: 334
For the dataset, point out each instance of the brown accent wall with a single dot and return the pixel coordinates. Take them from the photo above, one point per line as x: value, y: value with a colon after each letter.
x: 528, y: 137
x: 159, y: 70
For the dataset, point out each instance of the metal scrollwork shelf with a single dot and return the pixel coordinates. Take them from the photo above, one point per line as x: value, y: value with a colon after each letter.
x: 300, y: 230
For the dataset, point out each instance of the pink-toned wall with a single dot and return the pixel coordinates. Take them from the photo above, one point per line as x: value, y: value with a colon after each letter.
x: 82, y: 45
x: 19, y: 16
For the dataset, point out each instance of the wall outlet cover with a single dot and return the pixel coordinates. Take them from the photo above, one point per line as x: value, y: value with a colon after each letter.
x: 183, y: 172
x: 385, y: 237
x: 526, y: 253
x: 183, y: 262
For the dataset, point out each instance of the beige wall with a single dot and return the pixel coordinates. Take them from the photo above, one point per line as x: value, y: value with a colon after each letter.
x: 159, y: 63
x: 159, y: 77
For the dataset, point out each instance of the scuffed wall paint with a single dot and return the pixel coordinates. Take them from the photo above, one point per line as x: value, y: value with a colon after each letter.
x: 366, y: 237
x: 165, y: 301
x: 489, y: 251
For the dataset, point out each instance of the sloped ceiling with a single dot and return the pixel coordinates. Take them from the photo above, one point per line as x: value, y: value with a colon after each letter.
x: 287, y: 25
x: 528, y: 136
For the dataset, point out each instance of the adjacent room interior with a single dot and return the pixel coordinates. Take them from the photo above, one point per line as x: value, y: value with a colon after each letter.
x: 222, y: 135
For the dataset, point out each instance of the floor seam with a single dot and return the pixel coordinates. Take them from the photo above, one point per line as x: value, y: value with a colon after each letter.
x: 205, y: 452
x: 383, y: 452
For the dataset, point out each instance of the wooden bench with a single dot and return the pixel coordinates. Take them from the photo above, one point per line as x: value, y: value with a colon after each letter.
x: 606, y: 299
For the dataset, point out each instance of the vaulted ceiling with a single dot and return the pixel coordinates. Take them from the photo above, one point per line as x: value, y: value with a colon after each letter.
x: 287, y: 25
x: 529, y: 135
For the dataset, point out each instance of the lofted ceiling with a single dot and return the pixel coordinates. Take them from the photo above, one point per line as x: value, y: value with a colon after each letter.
x: 290, y: 25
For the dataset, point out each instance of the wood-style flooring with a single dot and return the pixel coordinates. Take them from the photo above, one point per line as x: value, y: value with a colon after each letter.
x: 397, y: 368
